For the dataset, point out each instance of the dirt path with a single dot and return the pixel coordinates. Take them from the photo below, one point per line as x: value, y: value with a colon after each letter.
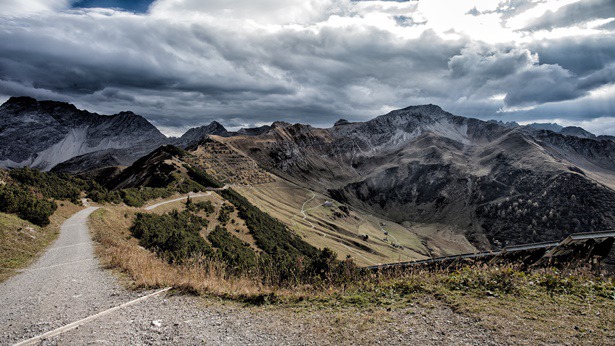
x: 64, y: 285
x: 185, y: 320
x: 192, y: 195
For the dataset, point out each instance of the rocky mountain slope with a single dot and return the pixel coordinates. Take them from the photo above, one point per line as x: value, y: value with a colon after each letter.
x: 499, y: 184
x: 46, y: 133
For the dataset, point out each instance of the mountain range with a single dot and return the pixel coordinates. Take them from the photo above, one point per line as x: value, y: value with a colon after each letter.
x: 495, y: 184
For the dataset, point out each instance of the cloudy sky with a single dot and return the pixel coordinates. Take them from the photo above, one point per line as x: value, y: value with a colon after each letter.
x: 182, y: 63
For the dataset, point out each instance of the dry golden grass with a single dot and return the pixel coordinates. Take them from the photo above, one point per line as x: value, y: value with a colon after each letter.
x: 118, y: 250
x: 514, y: 307
x: 321, y: 228
x: 540, y: 318
x: 21, y: 242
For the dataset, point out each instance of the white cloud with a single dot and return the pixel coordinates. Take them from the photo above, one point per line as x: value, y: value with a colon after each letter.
x: 28, y: 7
x: 187, y: 62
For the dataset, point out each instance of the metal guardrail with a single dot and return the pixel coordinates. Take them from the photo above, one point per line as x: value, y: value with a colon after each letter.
x: 575, y: 246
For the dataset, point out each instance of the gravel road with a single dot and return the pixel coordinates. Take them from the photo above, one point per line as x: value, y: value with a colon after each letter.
x: 66, y: 284
x: 186, y: 320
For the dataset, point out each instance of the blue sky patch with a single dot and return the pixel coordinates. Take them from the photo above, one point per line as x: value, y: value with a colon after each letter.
x: 138, y: 6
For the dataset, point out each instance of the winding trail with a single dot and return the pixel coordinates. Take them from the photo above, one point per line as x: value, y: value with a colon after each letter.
x: 191, y: 195
x: 303, y: 210
x: 388, y: 234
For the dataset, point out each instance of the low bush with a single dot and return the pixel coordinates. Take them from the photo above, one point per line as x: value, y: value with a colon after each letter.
x: 174, y: 236
x: 16, y: 199
x: 236, y: 253
x: 201, y: 177
x: 50, y: 184
x: 136, y: 197
x: 225, y: 211
x: 271, y: 235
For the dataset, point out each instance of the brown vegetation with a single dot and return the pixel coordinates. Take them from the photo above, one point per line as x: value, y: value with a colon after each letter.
x: 518, y: 307
x: 119, y: 250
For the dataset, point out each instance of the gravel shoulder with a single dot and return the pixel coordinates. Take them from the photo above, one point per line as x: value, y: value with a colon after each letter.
x: 65, y: 284
x: 186, y: 320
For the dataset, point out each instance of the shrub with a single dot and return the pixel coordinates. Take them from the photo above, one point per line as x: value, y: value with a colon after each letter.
x: 488, y: 279
x: 236, y: 253
x: 223, y: 217
x: 271, y: 235
x: 201, y: 177
x: 205, y: 206
x: 50, y: 184
x: 136, y: 197
x: 18, y: 200
x: 174, y: 236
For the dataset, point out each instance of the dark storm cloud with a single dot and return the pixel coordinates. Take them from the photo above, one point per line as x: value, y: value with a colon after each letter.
x: 195, y: 65
x: 527, y: 79
x: 66, y: 64
x: 546, y: 83
x: 578, y: 12
x: 580, y: 55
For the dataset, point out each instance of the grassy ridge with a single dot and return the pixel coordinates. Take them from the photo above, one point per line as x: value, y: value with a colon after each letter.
x: 21, y: 241
x: 271, y: 235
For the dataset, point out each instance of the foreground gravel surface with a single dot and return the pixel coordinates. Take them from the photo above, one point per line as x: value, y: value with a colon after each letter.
x: 66, y: 284
x: 185, y: 320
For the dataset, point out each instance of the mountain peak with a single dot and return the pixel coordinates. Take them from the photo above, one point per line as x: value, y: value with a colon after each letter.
x: 577, y: 132
x: 195, y: 134
x: 420, y: 113
x: 26, y: 103
x: 281, y: 124
x: 341, y: 122
x: 429, y: 110
x: 21, y: 100
x: 45, y: 133
x: 427, y: 107
x: 217, y: 125
x: 127, y: 113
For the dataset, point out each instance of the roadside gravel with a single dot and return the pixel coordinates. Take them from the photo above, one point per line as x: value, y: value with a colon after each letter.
x: 186, y: 320
x: 66, y: 284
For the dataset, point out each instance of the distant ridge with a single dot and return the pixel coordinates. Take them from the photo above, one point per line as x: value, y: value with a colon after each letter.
x: 42, y: 134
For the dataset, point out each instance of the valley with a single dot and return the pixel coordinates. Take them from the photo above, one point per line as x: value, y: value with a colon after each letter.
x: 414, y: 183
x: 367, y: 239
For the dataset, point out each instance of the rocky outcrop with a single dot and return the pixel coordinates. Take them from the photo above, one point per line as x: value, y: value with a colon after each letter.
x: 497, y: 182
x: 42, y: 134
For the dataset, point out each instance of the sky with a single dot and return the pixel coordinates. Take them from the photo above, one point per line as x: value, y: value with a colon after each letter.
x: 185, y: 63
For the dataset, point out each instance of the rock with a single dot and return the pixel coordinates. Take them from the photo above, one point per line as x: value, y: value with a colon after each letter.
x: 42, y: 134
